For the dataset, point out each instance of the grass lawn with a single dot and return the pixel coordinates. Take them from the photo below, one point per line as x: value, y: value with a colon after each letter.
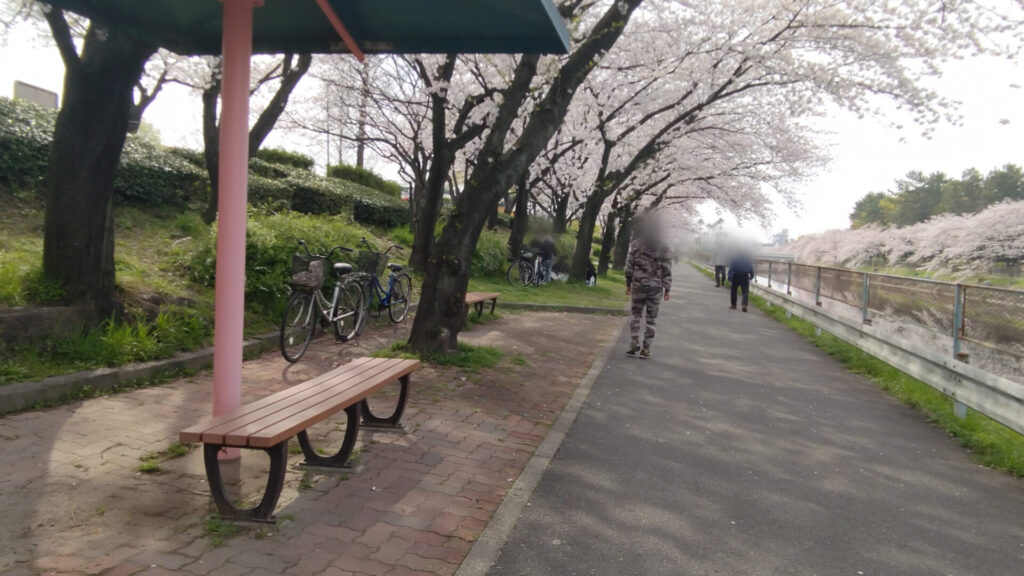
x: 610, y: 292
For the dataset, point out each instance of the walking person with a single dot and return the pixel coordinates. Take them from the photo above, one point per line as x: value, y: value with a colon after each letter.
x: 648, y: 281
x: 720, y: 262
x: 741, y: 272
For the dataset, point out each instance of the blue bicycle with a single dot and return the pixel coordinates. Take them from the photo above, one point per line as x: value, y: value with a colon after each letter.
x: 397, y: 298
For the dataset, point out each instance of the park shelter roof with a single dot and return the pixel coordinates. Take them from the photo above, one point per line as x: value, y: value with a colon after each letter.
x: 193, y: 27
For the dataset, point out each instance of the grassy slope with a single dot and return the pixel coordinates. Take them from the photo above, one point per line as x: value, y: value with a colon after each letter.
x: 991, y: 443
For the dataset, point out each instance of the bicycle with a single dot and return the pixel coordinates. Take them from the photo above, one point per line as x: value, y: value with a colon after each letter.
x: 527, y: 269
x: 398, y: 296
x: 308, y: 307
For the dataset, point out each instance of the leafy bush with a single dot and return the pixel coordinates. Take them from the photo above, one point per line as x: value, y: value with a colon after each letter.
x: 271, y: 239
x: 26, y: 131
x: 285, y: 158
x: 367, y: 178
x: 314, y: 195
x: 402, y: 236
x: 151, y: 174
x: 147, y: 173
x: 491, y: 254
x: 193, y: 157
x: 270, y: 193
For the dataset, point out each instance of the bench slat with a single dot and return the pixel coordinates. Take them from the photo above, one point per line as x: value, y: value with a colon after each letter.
x: 474, y: 297
x: 263, y: 406
x: 298, y: 416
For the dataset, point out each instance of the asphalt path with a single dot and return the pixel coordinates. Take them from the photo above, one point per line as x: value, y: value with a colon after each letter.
x: 741, y: 449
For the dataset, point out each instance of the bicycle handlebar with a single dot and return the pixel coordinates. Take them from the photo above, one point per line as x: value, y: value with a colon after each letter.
x: 369, y: 248
x: 302, y: 243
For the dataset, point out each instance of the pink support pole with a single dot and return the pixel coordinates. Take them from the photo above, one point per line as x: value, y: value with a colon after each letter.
x: 229, y: 300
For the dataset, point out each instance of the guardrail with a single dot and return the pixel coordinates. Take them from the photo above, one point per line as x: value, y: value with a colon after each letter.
x: 926, y: 328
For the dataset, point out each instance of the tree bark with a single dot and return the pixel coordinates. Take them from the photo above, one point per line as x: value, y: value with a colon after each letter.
x: 607, y: 244
x: 78, y: 248
x: 521, y: 220
x: 560, y: 220
x: 622, y: 243
x: 211, y: 146
x: 585, y: 236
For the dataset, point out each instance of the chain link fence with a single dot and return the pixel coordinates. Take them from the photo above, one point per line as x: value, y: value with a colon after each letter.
x: 993, y: 318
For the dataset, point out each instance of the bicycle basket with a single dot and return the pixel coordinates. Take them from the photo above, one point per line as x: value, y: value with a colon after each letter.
x: 307, y: 272
x: 526, y: 255
x: 371, y: 263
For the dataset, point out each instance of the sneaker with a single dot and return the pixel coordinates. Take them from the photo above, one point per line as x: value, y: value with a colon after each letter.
x: 632, y: 350
x: 744, y: 308
x: 645, y: 353
x: 732, y: 307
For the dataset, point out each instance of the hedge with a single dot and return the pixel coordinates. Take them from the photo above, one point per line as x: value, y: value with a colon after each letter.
x: 147, y: 174
x: 151, y: 174
x: 367, y: 178
x: 285, y: 158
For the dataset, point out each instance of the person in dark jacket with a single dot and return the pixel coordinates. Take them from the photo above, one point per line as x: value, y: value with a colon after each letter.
x: 547, y: 252
x: 741, y: 272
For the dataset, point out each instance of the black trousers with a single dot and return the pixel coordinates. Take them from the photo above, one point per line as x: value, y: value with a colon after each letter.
x: 738, y: 284
x: 719, y: 275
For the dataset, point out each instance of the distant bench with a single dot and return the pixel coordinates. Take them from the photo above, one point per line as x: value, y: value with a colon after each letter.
x: 477, y: 299
x: 269, y: 423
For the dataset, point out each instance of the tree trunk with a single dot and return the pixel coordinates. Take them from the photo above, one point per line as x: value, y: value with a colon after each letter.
x: 430, y: 199
x: 499, y: 165
x: 585, y: 236
x: 607, y: 245
x: 622, y: 243
x: 521, y: 220
x: 211, y: 147
x: 560, y: 221
x: 78, y: 248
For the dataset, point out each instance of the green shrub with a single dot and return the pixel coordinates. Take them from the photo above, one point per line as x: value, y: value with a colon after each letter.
x: 270, y: 193
x: 491, y: 254
x: 193, y: 157
x: 314, y: 195
x: 26, y: 131
x: 285, y: 158
x: 271, y: 239
x: 151, y: 174
x: 365, y: 177
x: 266, y: 169
x: 402, y: 236
x: 147, y: 173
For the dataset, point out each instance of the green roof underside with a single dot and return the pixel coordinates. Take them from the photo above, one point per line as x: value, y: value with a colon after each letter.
x: 193, y: 27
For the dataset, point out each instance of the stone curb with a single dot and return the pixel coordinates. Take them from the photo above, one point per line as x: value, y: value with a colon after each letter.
x: 488, y: 547
x: 20, y: 396
x: 25, y: 395
x: 559, y: 308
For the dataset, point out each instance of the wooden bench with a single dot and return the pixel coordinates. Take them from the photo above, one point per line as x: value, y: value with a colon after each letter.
x: 478, y: 298
x: 269, y: 423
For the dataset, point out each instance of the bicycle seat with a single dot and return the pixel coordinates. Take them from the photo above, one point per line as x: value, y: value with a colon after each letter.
x: 396, y: 267
x: 341, y: 268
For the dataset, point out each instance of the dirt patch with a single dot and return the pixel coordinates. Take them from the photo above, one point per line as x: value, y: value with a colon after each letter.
x: 76, y: 500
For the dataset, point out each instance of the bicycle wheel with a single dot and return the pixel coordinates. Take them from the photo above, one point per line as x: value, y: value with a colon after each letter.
x: 347, y: 311
x: 399, y: 298
x: 298, y: 325
x: 519, y: 273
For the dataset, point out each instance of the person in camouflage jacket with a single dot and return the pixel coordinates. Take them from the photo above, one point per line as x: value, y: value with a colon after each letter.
x: 648, y: 280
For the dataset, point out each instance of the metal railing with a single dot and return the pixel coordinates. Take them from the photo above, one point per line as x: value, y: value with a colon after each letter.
x: 965, y: 341
x: 974, y: 318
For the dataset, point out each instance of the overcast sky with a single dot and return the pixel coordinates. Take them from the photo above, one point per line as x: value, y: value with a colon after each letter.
x: 868, y: 154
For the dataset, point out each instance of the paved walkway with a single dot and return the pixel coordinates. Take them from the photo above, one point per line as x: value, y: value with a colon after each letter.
x: 742, y: 450
x: 74, y: 502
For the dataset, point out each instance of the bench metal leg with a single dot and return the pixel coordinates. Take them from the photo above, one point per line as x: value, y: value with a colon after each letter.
x: 479, y: 308
x: 339, y: 460
x: 393, y: 421
x: 262, y: 512
x: 494, y: 303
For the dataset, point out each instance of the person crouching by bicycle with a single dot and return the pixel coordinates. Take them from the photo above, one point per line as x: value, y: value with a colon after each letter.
x: 546, y: 251
x: 648, y: 280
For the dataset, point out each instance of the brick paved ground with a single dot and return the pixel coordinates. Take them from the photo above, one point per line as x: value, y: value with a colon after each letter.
x: 75, y: 502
